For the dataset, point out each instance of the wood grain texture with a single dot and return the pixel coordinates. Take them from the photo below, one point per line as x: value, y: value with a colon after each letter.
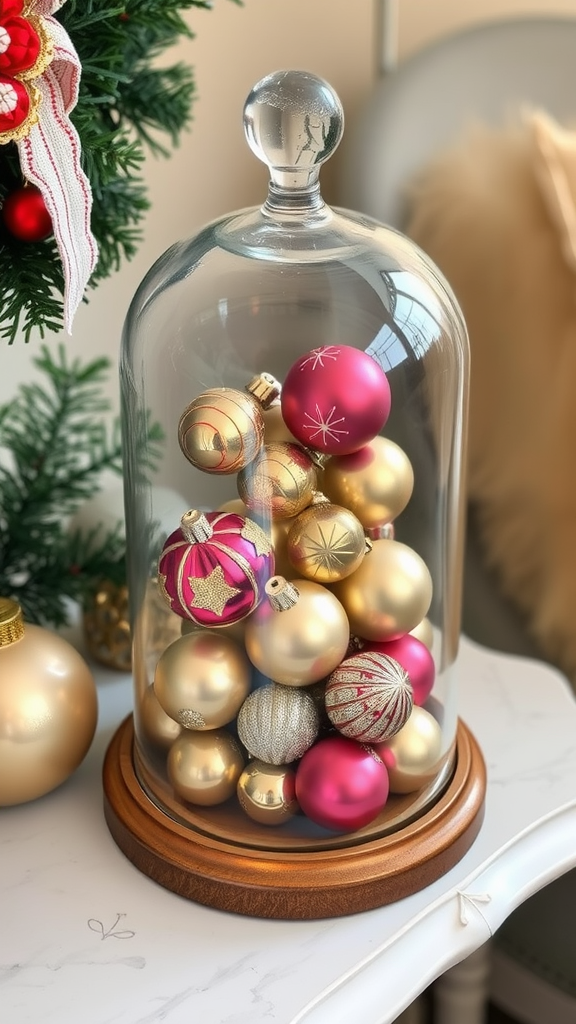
x: 292, y: 885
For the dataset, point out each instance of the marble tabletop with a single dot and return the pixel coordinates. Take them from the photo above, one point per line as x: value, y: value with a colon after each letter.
x: 86, y: 937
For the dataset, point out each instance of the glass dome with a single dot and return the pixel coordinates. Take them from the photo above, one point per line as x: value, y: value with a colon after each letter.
x: 294, y: 389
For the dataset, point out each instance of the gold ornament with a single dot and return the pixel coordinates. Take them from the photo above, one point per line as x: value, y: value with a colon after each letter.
x: 326, y: 542
x: 279, y: 482
x: 267, y: 793
x: 204, y: 767
x: 221, y: 431
x: 299, y: 635
x: 202, y: 679
x: 235, y: 505
x: 375, y: 483
x: 233, y: 630
x: 282, y: 565
x: 425, y: 633
x: 48, y: 708
x: 107, y: 626
x: 275, y: 428
x: 277, y: 724
x: 412, y: 756
x: 153, y: 724
x: 389, y: 594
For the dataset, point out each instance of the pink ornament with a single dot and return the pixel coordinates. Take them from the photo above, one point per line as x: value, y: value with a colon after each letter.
x: 341, y: 784
x: 335, y: 399
x: 214, y: 567
x: 368, y: 697
x: 415, y: 659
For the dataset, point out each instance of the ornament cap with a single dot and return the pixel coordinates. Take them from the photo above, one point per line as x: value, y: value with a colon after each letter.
x: 282, y: 594
x: 195, y: 526
x: 11, y: 622
x: 265, y: 389
x: 384, y: 531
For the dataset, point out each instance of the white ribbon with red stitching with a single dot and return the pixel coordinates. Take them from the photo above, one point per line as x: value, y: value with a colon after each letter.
x: 50, y: 159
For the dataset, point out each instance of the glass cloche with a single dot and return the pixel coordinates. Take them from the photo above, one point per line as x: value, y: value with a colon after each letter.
x: 294, y: 389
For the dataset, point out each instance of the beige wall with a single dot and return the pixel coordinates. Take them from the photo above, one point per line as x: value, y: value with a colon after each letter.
x: 213, y: 171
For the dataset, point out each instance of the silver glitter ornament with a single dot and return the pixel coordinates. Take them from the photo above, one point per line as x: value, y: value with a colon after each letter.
x: 277, y: 724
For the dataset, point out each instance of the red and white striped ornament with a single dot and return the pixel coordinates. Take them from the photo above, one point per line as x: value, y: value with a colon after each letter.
x: 369, y: 697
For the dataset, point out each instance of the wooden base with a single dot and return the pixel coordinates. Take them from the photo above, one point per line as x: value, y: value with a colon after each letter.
x: 284, y: 884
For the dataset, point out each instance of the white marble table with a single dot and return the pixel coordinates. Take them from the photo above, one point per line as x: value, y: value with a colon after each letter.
x: 85, y: 937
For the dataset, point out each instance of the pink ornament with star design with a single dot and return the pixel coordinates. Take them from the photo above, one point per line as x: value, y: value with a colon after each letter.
x: 214, y: 567
x: 335, y: 399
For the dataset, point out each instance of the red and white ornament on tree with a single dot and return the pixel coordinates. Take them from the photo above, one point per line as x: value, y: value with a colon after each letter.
x: 335, y: 399
x: 39, y: 81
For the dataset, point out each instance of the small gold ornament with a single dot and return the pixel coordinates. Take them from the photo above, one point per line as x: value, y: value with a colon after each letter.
x: 299, y: 635
x: 153, y: 725
x: 222, y: 429
x: 412, y: 756
x: 280, y: 482
x: 275, y: 428
x: 277, y: 724
x: 326, y: 542
x: 425, y: 633
x: 375, y: 483
x: 389, y: 594
x: 48, y: 708
x: 267, y: 793
x: 204, y: 767
x: 235, y: 505
x: 107, y: 626
x: 202, y: 679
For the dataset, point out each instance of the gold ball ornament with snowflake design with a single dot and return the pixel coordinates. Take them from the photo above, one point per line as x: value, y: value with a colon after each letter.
x: 277, y: 724
x: 369, y: 697
x: 267, y: 793
x: 389, y: 594
x: 326, y: 542
x: 204, y: 767
x: 202, y: 679
x: 299, y: 635
x: 222, y: 430
x: 280, y: 482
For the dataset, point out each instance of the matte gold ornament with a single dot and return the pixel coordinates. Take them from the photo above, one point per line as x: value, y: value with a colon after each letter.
x: 280, y: 482
x: 222, y: 429
x: 389, y: 594
x: 298, y: 636
x: 267, y: 793
x: 277, y: 724
x: 48, y: 708
x: 412, y: 756
x: 369, y: 697
x: 375, y: 483
x: 204, y: 767
x: 326, y: 542
x: 425, y: 633
x: 275, y: 428
x: 153, y: 724
x: 202, y: 679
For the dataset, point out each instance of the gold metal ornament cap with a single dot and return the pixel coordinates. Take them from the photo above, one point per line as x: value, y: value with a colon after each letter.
x: 11, y: 622
x: 195, y: 526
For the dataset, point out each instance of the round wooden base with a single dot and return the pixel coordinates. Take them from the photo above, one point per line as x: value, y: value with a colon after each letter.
x: 301, y: 885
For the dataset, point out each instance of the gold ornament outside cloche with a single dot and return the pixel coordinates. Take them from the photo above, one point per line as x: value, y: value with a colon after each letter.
x: 308, y: 372
x: 48, y: 708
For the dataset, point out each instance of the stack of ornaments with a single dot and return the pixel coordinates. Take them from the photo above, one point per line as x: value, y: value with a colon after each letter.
x: 299, y: 680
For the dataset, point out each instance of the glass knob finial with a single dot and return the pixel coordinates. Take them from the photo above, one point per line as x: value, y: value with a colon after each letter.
x: 293, y: 122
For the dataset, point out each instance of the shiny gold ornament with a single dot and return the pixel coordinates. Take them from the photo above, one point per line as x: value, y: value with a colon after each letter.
x: 299, y: 635
x: 267, y: 793
x: 389, y: 594
x: 375, y: 483
x: 412, y: 756
x: 282, y: 565
x: 425, y: 633
x: 107, y: 626
x: 279, y: 482
x: 275, y: 428
x: 277, y: 724
x: 204, y: 767
x: 48, y: 708
x: 221, y: 431
x: 326, y: 542
x: 153, y: 725
x: 202, y: 679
